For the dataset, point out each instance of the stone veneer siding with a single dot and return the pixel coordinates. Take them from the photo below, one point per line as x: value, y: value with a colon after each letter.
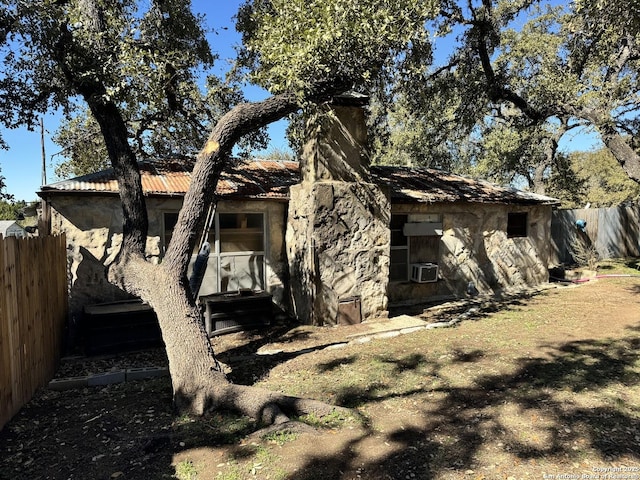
x: 93, y: 228
x: 338, y: 248
x: 338, y: 225
x: 474, y: 247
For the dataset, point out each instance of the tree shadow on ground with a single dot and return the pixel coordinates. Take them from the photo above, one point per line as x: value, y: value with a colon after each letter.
x: 127, y: 431
x: 247, y: 363
x: 249, y: 368
x: 437, y: 311
x: 633, y: 263
x: 135, y: 430
x: 462, y: 421
x: 122, y: 430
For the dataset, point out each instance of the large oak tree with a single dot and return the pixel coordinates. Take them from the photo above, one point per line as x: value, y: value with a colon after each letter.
x: 517, y: 77
x: 99, y: 50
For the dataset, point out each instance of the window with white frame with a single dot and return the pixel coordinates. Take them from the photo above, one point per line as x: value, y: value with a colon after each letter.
x: 415, y: 238
x: 236, y: 261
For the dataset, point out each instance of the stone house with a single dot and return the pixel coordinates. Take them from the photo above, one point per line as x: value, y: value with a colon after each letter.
x: 322, y: 235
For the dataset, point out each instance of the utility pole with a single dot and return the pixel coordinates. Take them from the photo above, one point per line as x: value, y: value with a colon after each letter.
x: 44, y: 217
x: 44, y: 162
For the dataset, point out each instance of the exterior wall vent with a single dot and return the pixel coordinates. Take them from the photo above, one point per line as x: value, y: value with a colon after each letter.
x: 424, y: 272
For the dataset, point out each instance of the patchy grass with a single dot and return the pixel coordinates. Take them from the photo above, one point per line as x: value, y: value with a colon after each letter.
x: 219, y: 427
x: 547, y: 385
x: 280, y: 437
x: 185, y: 470
x: 333, y: 420
x: 619, y: 266
x: 548, y: 382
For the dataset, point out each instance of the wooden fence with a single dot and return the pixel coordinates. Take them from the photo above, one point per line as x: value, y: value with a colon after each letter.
x: 33, y: 310
x: 614, y: 231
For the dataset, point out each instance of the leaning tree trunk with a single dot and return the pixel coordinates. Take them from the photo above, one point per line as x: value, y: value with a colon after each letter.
x: 620, y: 148
x: 197, y: 380
x: 550, y: 151
x: 623, y: 152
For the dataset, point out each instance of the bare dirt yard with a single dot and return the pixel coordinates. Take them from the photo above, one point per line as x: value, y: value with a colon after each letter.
x: 541, y: 386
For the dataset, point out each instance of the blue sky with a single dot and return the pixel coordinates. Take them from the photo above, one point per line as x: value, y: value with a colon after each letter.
x: 21, y: 165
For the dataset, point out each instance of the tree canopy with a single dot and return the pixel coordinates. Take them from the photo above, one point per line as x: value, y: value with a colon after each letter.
x: 4, y: 196
x: 325, y: 40
x: 520, y: 75
x: 595, y: 178
x: 11, y: 210
x: 514, y: 79
x: 288, y: 44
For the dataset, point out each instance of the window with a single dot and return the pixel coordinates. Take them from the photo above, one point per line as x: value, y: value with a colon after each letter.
x: 241, y: 232
x: 424, y: 249
x: 517, y: 224
x: 241, y: 249
x: 399, y: 265
x: 237, y: 251
x: 420, y: 244
x: 170, y: 220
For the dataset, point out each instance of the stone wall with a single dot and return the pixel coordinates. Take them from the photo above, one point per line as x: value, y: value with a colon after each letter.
x: 338, y: 248
x: 338, y: 224
x: 474, y: 247
x: 336, y: 149
x: 93, y: 228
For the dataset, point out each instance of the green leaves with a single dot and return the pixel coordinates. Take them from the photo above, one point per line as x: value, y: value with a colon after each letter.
x: 289, y: 44
x: 521, y: 75
x: 606, y: 182
x: 145, y: 57
x: 83, y: 146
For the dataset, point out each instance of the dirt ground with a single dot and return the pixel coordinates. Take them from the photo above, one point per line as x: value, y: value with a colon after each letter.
x: 546, y: 386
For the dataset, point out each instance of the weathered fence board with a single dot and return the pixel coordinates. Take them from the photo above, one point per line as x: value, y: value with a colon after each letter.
x: 615, y: 232
x: 33, y: 311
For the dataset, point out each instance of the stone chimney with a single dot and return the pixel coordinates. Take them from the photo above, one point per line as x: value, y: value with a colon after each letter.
x: 338, y: 225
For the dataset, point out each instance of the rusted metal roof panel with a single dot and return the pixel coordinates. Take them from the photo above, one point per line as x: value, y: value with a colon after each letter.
x: 424, y: 185
x: 271, y: 179
x: 249, y: 179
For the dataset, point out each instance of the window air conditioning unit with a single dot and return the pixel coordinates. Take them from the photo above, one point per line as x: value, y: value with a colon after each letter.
x: 424, y: 272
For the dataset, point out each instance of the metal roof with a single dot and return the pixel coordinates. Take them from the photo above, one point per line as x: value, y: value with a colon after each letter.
x: 425, y: 185
x: 271, y: 179
x: 244, y: 178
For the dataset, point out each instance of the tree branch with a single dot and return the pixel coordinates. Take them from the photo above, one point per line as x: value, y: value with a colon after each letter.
x: 496, y: 89
x: 621, y: 58
x: 83, y: 80
x: 214, y: 157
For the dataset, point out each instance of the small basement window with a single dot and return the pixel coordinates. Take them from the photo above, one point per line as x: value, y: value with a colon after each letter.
x: 517, y: 224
